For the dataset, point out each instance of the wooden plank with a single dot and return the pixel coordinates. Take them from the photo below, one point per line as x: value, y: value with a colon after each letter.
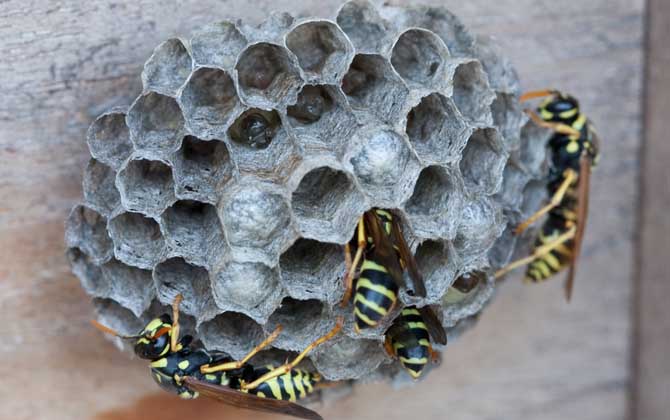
x: 652, y: 381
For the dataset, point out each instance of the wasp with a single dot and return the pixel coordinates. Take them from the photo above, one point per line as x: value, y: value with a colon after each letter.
x: 188, y: 371
x: 574, y: 152
x: 408, y: 339
x: 463, y: 287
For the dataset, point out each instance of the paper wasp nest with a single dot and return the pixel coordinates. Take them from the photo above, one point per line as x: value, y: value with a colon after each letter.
x: 238, y: 174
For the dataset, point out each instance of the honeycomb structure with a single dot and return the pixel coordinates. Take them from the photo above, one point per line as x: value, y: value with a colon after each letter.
x: 238, y: 174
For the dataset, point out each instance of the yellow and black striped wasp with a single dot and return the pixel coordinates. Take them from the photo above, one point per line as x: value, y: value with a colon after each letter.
x: 574, y: 152
x: 181, y: 368
x: 383, y: 255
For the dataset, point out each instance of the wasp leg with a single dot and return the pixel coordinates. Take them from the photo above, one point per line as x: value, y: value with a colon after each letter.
x: 240, y: 363
x: 389, y: 348
x: 557, y: 127
x: 537, y: 94
x: 287, y: 367
x: 174, y: 334
x: 434, y: 355
x: 539, y: 252
x: 570, y: 176
x: 351, y: 270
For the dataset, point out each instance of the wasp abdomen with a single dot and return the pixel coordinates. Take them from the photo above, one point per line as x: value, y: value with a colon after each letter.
x: 410, y: 341
x: 290, y: 386
x: 376, y: 293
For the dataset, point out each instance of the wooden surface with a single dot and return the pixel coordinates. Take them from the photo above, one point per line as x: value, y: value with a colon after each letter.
x: 652, y: 385
x: 531, y: 356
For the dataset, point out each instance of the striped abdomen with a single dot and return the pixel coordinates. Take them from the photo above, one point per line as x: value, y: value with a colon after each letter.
x: 290, y: 387
x: 410, y: 342
x: 375, y: 295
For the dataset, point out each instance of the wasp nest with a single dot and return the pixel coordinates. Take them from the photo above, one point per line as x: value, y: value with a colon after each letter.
x: 240, y: 171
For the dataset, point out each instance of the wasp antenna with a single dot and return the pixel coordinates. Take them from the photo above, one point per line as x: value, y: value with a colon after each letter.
x: 537, y: 94
x: 108, y: 330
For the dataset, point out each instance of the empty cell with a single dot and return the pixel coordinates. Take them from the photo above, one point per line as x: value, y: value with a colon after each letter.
x: 302, y: 321
x: 312, y: 270
x: 533, y: 148
x: 433, y: 207
x: 322, y: 49
x: 348, y: 358
x: 137, y: 240
x: 267, y: 75
x: 208, y: 100
x: 231, y: 332
x: 88, y: 273
x: 483, y: 161
x: 108, y: 139
x: 503, y: 249
x: 146, y: 186
x: 129, y: 286
x: 217, y: 44
x: 436, y: 129
x: 472, y: 94
x: 437, y: 261
x: 361, y: 21
x: 192, y: 229
x: 514, y: 180
x: 372, y: 85
x: 156, y: 123
x: 481, y: 223
x: 508, y: 117
x: 534, y: 196
x: 255, y: 128
x: 175, y: 276
x: 202, y: 168
x: 118, y: 318
x: 168, y: 68
x: 99, y: 187
x: 86, y: 229
x: 418, y: 56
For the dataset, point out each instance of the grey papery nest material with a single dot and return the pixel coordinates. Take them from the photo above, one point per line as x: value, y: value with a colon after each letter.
x: 397, y: 108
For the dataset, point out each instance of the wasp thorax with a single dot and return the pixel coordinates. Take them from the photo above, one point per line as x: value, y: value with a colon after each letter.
x: 154, y: 340
x: 255, y: 128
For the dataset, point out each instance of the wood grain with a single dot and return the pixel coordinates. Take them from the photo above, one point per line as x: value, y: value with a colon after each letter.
x: 531, y: 356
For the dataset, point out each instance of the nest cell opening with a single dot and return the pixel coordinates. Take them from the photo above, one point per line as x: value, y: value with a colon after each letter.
x: 231, y: 332
x: 418, y: 55
x: 437, y: 261
x: 321, y: 193
x: 480, y: 226
x: 532, y: 151
x: 88, y: 273
x: 218, y: 45
x: 137, y: 240
x: 508, y: 117
x: 435, y: 129
x: 208, y: 100
x: 311, y: 270
x: 118, y: 318
x: 514, y: 180
x: 321, y: 48
x: 534, y: 195
x: 314, y: 102
x: 146, y: 186
x: 129, y: 286
x: 87, y: 230
x: 432, y: 208
x: 202, y: 168
x: 168, y: 67
x: 483, y: 162
x: 255, y: 129
x: 156, y: 123
x: 363, y: 24
x: 266, y: 72
x: 303, y: 321
x: 472, y: 94
x: 109, y: 139
x: 99, y: 188
x: 346, y: 358
x: 445, y: 25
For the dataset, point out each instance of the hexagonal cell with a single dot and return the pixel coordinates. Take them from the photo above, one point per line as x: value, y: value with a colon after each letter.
x: 256, y: 221
x: 167, y: 68
x: 508, y: 117
x: 436, y: 129
x: 430, y: 259
x: 146, y: 186
x: 483, y: 161
x: 326, y: 204
x: 501, y: 74
x: 464, y: 288
x: 99, y: 187
x: 418, y: 56
x: 384, y: 165
x: 193, y: 230
x: 503, y: 249
x: 372, y: 85
x: 514, y: 180
x: 303, y: 321
x: 217, y: 44
x: 231, y: 332
x: 457, y: 305
x: 267, y: 75
x: 323, y: 50
x: 361, y: 21
x: 344, y: 357
x: 176, y: 276
x: 202, y: 169
x: 86, y: 229
x: 472, y: 94
x: 481, y: 224
x: 533, y: 148
x: 108, y: 139
x: 534, y: 195
x: 118, y: 318
x: 137, y: 240
x: 434, y: 206
x: 208, y: 100
x: 129, y: 286
x: 313, y: 270
x: 255, y: 128
x: 155, y: 123
x: 88, y: 273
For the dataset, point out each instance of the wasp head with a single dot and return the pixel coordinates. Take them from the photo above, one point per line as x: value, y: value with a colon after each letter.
x: 154, y: 340
x: 559, y: 107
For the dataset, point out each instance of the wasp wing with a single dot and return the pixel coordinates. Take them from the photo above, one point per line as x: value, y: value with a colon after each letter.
x: 582, y: 213
x: 243, y: 400
x: 384, y: 253
x: 435, y: 328
x: 408, y: 259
